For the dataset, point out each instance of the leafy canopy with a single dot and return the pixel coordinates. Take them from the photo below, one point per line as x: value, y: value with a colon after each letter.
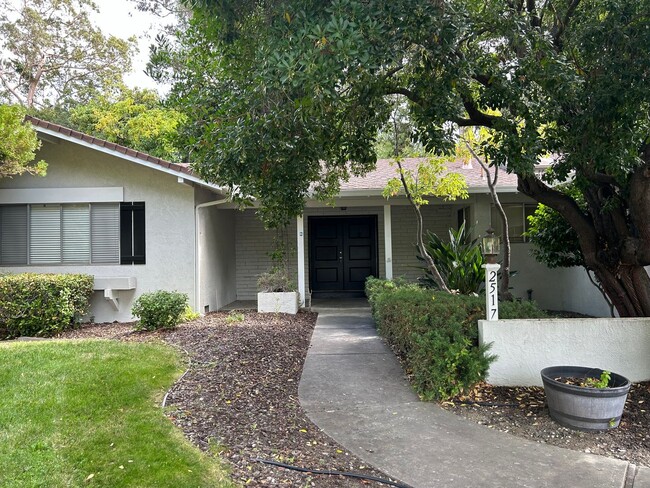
x: 286, y: 99
x: 136, y: 119
x: 18, y: 144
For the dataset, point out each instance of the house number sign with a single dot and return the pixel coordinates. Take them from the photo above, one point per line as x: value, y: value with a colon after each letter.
x: 491, y: 291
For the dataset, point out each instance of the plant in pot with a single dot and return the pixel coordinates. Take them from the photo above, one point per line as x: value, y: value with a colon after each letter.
x: 276, y: 290
x: 582, y: 398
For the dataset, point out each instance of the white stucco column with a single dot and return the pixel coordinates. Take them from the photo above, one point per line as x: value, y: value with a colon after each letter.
x: 300, y: 248
x: 388, y: 242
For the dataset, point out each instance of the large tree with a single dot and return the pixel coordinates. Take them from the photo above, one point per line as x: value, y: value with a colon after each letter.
x: 286, y: 98
x: 52, y: 54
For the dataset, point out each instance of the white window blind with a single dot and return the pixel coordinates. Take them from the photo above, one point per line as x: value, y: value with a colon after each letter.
x: 13, y: 234
x: 45, y: 234
x: 105, y: 232
x: 75, y: 235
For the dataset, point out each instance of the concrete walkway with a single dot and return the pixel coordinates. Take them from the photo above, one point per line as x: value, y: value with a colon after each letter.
x: 354, y: 389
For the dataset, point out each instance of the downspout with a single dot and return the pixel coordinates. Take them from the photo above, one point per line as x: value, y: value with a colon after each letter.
x: 197, y: 251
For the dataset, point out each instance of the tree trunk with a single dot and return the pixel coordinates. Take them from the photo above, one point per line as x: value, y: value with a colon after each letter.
x: 504, y: 286
x: 615, y: 247
x: 420, y: 240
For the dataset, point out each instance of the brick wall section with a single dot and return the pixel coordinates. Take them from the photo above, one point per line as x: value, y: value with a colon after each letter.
x: 437, y: 218
x: 254, y: 243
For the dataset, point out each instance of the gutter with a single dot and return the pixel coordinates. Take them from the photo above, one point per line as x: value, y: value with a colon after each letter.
x: 197, y: 250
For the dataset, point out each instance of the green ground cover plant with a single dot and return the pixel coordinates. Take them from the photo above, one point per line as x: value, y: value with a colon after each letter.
x: 42, y: 305
x: 87, y: 413
x: 436, y: 334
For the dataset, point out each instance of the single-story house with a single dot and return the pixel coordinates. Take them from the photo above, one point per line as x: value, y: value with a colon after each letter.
x: 139, y: 223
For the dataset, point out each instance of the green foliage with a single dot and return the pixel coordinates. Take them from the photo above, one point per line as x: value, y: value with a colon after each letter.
x: 135, y: 119
x: 87, y: 413
x: 42, y: 305
x: 18, y: 144
x: 555, y: 243
x: 235, y: 317
x: 52, y: 54
x: 159, y: 309
x: 286, y: 96
x: 188, y: 314
x: 436, y: 334
x: 427, y: 179
x: 459, y: 261
x: 602, y: 382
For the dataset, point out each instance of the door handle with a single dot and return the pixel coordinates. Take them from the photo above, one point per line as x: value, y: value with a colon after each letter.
x: 341, y: 256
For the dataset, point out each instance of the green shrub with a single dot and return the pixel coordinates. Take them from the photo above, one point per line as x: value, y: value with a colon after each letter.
x: 159, y: 309
x: 42, y: 305
x: 458, y: 260
x: 188, y: 314
x: 436, y: 334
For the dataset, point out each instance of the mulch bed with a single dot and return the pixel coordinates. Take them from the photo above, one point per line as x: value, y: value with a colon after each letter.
x: 522, y: 411
x: 239, y: 398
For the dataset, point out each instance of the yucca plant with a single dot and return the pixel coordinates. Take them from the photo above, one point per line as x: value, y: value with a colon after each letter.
x: 459, y: 261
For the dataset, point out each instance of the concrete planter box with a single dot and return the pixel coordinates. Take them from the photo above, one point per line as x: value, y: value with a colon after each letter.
x: 278, y: 302
x: 580, y: 407
x: 525, y: 347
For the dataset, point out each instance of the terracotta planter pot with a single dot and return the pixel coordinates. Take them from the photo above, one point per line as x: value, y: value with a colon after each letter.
x: 584, y: 408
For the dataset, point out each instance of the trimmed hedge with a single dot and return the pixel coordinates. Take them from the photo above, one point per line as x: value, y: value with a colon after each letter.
x: 159, y: 309
x: 436, y: 334
x: 42, y: 305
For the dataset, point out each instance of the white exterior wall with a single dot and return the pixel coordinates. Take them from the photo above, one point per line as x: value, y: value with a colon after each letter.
x: 525, y: 347
x: 217, y: 258
x: 169, y: 221
x: 553, y: 289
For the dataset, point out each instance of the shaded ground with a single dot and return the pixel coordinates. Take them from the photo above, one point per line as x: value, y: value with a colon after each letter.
x: 240, y: 397
x: 522, y: 412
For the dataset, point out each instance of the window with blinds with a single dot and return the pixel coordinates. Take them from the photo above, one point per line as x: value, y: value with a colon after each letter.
x: 60, y: 234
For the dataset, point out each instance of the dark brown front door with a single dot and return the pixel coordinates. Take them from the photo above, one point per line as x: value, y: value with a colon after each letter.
x: 343, y: 253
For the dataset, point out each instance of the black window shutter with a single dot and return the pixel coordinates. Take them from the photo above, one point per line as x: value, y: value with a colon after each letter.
x: 132, y: 233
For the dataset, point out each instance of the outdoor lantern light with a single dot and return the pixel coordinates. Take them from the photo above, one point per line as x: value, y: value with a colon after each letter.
x: 490, y: 246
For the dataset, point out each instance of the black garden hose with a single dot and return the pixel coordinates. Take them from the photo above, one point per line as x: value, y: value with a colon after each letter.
x: 335, y: 473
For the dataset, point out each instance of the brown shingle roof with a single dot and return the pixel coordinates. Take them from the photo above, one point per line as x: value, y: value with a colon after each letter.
x: 95, y: 141
x: 384, y: 171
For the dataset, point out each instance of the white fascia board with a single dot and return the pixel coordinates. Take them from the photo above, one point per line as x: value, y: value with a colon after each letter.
x: 486, y: 189
x: 126, y: 157
x: 377, y: 192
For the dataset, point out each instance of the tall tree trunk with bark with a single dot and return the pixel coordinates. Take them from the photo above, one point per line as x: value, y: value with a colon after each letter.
x: 615, y: 243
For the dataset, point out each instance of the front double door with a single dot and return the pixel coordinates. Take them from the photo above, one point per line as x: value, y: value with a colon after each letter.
x: 343, y: 253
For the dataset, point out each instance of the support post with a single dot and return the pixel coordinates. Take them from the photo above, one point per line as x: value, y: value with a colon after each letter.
x: 300, y: 248
x: 388, y: 242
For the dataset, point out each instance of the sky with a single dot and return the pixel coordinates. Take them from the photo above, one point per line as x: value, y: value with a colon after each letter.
x: 121, y: 19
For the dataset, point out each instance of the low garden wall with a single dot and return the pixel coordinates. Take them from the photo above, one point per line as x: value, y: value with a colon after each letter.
x: 524, y: 347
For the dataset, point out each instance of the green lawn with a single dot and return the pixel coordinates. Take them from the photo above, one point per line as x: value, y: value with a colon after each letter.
x: 87, y: 413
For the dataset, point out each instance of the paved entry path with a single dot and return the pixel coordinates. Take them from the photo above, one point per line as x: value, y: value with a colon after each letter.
x: 354, y: 389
